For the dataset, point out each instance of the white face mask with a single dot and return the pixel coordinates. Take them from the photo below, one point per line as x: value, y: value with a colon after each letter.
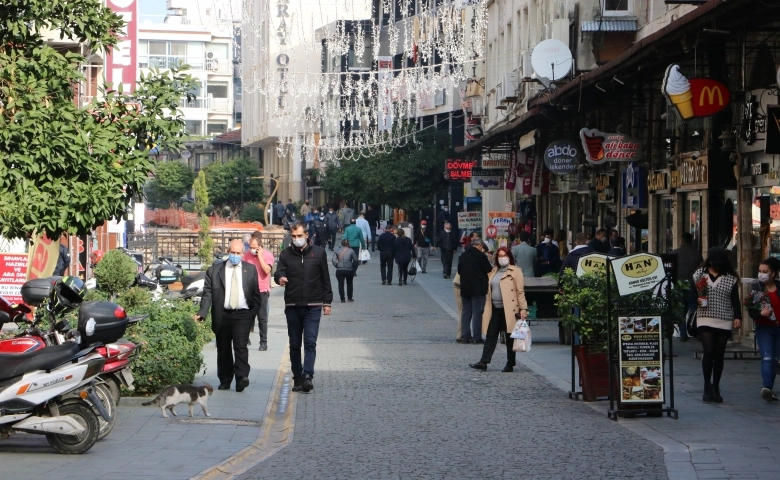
x: 299, y: 242
x: 547, y: 240
x: 447, y: 230
x: 503, y: 261
x: 764, y: 277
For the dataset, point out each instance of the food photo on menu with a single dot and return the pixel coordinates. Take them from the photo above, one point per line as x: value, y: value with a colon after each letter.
x: 626, y: 325
x: 641, y: 383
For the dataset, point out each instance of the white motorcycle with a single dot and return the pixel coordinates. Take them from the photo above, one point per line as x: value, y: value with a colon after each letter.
x: 36, y: 396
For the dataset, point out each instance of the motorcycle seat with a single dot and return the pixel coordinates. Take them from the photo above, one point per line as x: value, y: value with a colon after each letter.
x: 188, y: 279
x: 14, y: 365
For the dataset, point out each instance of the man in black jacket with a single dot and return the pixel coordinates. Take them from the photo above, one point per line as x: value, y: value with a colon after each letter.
x: 385, y: 246
x: 580, y: 250
x: 473, y: 268
x: 599, y: 243
x: 448, y: 243
x: 231, y: 293
x: 303, y: 272
x: 618, y: 247
x: 372, y: 217
x: 688, y: 260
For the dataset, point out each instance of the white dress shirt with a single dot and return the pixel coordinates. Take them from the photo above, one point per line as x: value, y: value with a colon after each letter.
x: 229, y: 268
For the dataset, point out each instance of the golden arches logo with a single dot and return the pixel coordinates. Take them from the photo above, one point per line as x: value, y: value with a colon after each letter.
x: 639, y: 266
x: 710, y: 92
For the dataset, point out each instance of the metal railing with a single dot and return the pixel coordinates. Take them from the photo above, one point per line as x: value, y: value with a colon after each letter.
x: 165, y: 19
x: 211, y: 65
x: 183, y: 247
x: 219, y: 105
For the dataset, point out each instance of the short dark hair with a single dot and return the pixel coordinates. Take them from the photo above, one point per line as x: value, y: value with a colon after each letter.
x: 257, y: 235
x: 351, y: 221
x: 581, y: 238
x: 296, y: 225
x: 773, y: 264
x: 524, y: 236
x: 686, y: 238
x: 601, y: 230
x: 619, y: 242
x: 548, y: 231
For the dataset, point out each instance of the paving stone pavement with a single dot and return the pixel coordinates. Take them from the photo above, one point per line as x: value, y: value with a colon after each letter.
x: 394, y: 398
x: 145, y: 445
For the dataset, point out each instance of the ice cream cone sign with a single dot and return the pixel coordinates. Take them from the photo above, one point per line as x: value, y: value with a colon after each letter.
x: 695, y: 97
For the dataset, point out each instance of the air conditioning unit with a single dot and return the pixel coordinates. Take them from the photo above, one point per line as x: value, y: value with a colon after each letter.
x: 510, y: 83
x: 526, y: 69
x: 499, y: 96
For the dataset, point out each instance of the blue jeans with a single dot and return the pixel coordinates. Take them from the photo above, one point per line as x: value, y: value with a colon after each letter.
x: 471, y: 318
x: 768, y: 340
x: 303, y: 325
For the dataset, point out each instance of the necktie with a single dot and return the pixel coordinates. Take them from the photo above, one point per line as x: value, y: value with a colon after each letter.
x: 234, y: 290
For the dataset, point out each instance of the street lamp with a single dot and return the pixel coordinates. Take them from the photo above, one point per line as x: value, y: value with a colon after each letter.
x: 242, y: 180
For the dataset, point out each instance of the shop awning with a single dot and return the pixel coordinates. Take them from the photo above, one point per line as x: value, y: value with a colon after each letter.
x: 633, y: 55
x: 609, y: 26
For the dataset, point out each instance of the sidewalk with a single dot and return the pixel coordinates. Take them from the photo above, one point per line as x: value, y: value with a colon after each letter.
x: 737, y: 439
x: 145, y: 445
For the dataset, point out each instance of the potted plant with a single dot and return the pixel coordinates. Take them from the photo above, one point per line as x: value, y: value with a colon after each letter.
x: 582, y: 306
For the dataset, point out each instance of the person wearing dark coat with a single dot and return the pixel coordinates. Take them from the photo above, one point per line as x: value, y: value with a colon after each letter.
x: 580, y: 250
x: 618, y: 247
x: 688, y: 261
x: 63, y: 259
x: 448, y: 243
x: 372, y: 217
x: 403, y: 253
x: 548, y: 254
x: 385, y: 245
x: 599, y: 243
x: 473, y: 268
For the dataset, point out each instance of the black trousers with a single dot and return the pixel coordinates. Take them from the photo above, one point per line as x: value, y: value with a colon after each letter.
x: 446, y: 262
x: 341, y: 276
x: 233, y: 336
x: 498, y: 324
x: 386, y: 266
x: 331, y: 239
x: 403, y: 271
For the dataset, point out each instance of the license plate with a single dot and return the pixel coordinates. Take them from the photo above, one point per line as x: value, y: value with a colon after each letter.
x: 127, y: 376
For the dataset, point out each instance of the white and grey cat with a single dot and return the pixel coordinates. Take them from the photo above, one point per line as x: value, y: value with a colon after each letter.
x: 171, y: 396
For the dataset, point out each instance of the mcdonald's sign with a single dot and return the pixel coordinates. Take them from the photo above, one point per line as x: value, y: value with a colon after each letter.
x: 709, y: 96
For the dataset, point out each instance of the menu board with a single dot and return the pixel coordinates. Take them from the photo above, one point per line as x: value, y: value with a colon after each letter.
x: 641, y: 364
x: 13, y: 274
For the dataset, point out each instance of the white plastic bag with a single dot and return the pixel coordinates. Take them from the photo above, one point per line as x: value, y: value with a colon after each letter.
x: 517, y: 331
x: 523, y: 341
x: 365, y: 256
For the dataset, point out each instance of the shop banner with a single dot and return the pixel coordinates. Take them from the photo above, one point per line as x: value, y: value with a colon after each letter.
x: 469, y: 220
x: 595, y: 262
x: 43, y: 256
x: 562, y: 157
x: 601, y: 147
x: 497, y: 160
x: 638, y: 272
x: 511, y: 179
x: 501, y: 220
x: 458, y: 169
x: 13, y: 274
x: 122, y: 60
x: 641, y: 367
x: 695, y: 97
x: 487, y: 179
x: 634, y: 191
x: 772, y: 145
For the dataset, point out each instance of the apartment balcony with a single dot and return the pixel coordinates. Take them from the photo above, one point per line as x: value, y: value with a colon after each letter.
x: 201, y: 64
x: 213, y: 105
x: 164, y: 19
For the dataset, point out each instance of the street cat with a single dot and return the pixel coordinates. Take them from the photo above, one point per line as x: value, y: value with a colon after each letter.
x: 171, y: 396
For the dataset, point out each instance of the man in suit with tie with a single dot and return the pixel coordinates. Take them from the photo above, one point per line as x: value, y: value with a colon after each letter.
x: 232, y: 295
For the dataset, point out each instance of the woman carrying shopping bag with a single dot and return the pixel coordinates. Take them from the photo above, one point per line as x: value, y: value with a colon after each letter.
x: 345, y: 260
x: 403, y: 253
x: 505, y: 298
x: 763, y: 305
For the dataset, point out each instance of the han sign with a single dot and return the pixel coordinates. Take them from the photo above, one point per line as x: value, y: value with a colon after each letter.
x: 122, y: 60
x: 636, y: 273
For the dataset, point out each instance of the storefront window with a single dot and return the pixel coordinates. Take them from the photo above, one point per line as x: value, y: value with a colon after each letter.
x: 665, y: 233
x: 692, y: 219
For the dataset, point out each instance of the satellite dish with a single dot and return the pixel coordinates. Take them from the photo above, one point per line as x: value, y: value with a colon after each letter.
x: 551, y: 59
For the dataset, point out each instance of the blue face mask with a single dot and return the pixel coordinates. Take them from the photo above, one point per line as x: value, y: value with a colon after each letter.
x: 234, y: 258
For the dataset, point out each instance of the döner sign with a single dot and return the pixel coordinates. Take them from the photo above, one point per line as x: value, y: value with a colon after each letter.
x: 601, y: 147
x: 561, y: 157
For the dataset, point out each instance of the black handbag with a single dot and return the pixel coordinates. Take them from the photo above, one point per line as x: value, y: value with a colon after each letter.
x: 691, y: 324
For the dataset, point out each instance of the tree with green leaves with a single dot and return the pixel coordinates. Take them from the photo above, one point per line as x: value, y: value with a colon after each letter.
x: 172, y: 180
x: 64, y: 167
x: 224, y: 183
x: 204, y: 227
x: 407, y: 177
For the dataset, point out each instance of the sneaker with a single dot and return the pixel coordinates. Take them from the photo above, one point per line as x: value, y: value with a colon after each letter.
x: 768, y: 395
x: 384, y: 282
x: 479, y: 342
x: 263, y: 346
x: 296, y: 385
x: 307, y: 385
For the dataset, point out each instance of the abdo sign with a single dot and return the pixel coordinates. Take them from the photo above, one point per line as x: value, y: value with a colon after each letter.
x: 562, y: 157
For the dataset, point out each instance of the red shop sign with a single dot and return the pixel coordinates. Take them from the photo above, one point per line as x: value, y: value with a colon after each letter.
x: 458, y: 169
